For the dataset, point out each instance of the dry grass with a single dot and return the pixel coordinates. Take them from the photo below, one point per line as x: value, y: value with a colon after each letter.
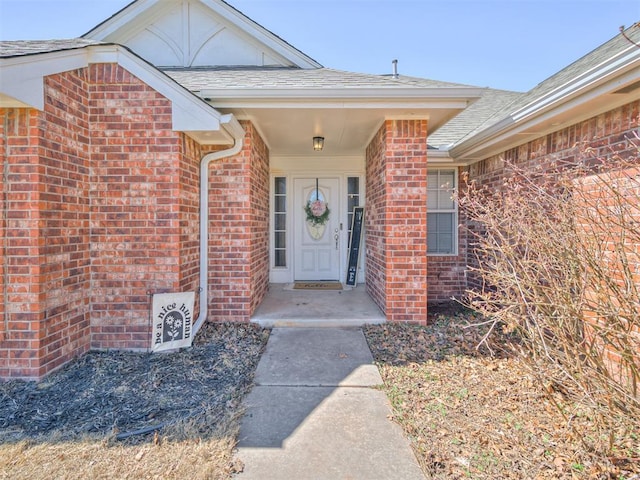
x: 472, y: 414
x: 163, y: 459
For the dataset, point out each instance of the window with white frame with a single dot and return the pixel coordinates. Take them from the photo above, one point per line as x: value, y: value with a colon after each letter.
x: 442, y: 212
x: 280, y: 222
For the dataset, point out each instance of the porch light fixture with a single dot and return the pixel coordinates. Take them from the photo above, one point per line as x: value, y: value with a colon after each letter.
x: 318, y: 143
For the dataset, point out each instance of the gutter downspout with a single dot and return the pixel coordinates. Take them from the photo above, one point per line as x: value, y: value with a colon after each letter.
x: 238, y: 134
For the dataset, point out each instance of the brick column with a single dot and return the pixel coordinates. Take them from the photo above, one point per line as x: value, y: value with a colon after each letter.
x: 239, y: 231
x: 397, y: 220
x: 22, y: 313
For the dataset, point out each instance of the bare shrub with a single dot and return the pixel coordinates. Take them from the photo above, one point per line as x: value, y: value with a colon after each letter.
x: 557, y: 259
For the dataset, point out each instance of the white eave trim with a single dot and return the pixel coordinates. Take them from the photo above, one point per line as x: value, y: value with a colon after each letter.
x: 437, y: 157
x: 441, y: 93
x: 22, y: 79
x: 601, y: 80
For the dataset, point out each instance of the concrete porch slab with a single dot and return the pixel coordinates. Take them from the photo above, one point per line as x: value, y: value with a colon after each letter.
x: 285, y: 307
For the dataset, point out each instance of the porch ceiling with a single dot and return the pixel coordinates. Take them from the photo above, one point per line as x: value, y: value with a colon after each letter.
x: 288, y: 129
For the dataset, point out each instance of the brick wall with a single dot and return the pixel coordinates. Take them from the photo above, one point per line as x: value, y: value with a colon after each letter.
x: 259, y: 198
x: 607, y: 292
x: 605, y: 133
x: 22, y: 244
x: 397, y: 220
x: 375, y: 220
x: 189, y: 218
x: 607, y: 212
x: 238, y: 237
x: 3, y: 227
x: 136, y: 205
x: 64, y: 220
x: 101, y: 209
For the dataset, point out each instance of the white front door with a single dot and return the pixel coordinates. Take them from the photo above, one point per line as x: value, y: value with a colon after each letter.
x: 316, y: 246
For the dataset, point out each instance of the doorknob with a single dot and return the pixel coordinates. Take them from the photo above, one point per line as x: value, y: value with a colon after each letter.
x: 336, y: 237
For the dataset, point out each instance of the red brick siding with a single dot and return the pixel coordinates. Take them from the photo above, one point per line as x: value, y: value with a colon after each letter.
x: 135, y: 205
x: 100, y: 209
x: 64, y: 220
x: 599, y: 216
x: 260, y: 217
x: 4, y: 268
x: 189, y: 218
x: 375, y: 220
x: 399, y: 163
x: 238, y: 238
x: 606, y: 133
x: 22, y: 321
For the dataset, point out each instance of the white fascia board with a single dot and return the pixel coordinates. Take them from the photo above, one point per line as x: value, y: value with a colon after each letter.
x: 341, y: 104
x: 602, y: 80
x: 22, y: 77
x: 367, y: 98
x: 438, y: 157
x: 120, y: 19
x: 466, y: 95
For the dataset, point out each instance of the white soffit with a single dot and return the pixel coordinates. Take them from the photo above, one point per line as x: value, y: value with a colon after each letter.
x: 195, y: 33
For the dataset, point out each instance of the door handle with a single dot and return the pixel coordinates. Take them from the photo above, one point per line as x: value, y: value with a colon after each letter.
x: 336, y: 237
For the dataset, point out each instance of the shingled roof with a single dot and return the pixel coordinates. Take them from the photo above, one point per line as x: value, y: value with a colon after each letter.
x: 493, y: 107
x: 474, y: 119
x: 18, y: 48
x: 220, y: 78
x: 479, y: 113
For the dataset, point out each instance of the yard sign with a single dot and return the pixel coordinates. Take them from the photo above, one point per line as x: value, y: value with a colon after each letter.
x: 172, y: 321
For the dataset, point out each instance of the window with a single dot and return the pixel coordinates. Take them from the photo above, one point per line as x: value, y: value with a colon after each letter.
x: 442, y: 212
x: 280, y: 222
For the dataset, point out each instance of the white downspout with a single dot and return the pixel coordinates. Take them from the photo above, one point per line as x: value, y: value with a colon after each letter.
x: 238, y: 134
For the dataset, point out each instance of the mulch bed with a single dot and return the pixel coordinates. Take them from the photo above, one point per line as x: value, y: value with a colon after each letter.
x: 478, y: 412
x: 129, y: 396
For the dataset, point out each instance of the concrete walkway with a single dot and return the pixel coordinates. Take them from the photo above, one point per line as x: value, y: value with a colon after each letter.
x: 315, y: 414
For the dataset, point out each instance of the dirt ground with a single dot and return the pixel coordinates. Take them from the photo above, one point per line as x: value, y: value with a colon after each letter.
x: 474, y: 413
x: 133, y: 415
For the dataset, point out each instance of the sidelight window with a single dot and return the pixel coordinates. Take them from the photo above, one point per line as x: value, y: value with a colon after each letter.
x: 280, y: 222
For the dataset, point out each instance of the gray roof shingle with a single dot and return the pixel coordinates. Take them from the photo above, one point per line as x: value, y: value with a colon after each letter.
x: 478, y: 113
x: 18, y: 48
x: 220, y: 78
